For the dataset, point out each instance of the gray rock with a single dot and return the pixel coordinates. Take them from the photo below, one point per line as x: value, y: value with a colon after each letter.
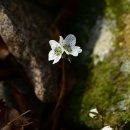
x: 25, y: 29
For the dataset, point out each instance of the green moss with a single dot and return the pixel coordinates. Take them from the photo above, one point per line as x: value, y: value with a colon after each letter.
x: 116, y: 14
x: 116, y: 11
x: 107, y: 89
x: 105, y: 86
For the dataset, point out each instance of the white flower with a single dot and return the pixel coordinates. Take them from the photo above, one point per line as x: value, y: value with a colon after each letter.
x: 68, y: 45
x: 107, y: 128
x: 56, y: 52
x: 93, y: 113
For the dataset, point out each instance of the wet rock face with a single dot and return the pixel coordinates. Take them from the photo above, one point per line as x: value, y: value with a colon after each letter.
x: 24, y: 28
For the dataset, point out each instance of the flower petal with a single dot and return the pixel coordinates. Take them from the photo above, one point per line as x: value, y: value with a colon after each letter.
x: 107, y: 128
x: 67, y: 52
x: 54, y: 44
x: 61, y: 40
x: 94, y: 110
x: 76, y: 50
x: 70, y: 40
x: 57, y: 58
x: 51, y: 55
x: 93, y: 113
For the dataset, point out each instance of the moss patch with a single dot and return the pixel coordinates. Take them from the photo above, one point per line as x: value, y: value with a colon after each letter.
x: 105, y: 86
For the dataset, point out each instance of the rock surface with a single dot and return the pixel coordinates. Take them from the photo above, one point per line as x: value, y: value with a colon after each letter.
x: 25, y: 29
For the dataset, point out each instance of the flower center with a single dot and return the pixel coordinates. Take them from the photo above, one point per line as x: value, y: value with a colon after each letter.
x: 67, y: 48
x: 58, y: 51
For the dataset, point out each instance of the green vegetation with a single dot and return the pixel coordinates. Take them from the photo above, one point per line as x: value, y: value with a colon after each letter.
x: 103, y: 86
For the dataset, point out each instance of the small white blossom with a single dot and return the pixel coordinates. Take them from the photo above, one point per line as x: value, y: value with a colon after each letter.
x: 107, y: 128
x: 56, y: 52
x: 68, y: 45
x: 93, y: 113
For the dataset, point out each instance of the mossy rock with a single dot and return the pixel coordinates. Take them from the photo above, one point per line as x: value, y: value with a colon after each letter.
x: 105, y: 85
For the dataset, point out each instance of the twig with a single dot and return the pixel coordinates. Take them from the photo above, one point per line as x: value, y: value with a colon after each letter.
x: 19, y: 117
x: 26, y: 124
